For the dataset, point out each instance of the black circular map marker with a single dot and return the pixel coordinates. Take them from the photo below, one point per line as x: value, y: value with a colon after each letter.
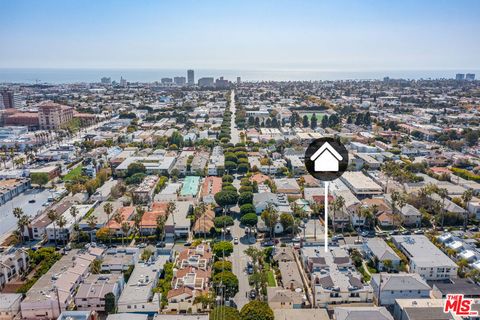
x: 326, y: 159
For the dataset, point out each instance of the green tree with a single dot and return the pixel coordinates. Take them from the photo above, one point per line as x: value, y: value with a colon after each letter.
x: 313, y: 121
x: 39, y: 178
x: 224, y: 313
x: 249, y: 219
x: 222, y: 248
x: 226, y: 199
x: 245, y: 198
x: 53, y: 216
x: 135, y: 167
x: 256, y: 310
x: 305, y: 121
x: 110, y: 304
x: 228, y: 280
x: 270, y: 217
x: 96, y: 266
x: 222, y: 265
x: 287, y: 221
x: 247, y: 208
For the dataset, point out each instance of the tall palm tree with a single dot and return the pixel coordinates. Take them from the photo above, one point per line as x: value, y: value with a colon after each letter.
x: 137, y: 219
x: 336, y: 205
x: 125, y: 229
x: 53, y: 216
x: 108, y: 209
x: 161, y: 226
x: 270, y: 216
x: 443, y: 193
x: 61, y: 222
x: 171, y: 209
x: 466, y: 198
x: 92, y: 223
x: 22, y: 223
x: 17, y: 212
x: 74, y: 213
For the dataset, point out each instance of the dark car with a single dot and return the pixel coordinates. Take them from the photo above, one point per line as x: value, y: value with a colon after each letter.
x: 252, y: 294
x: 249, y: 269
x: 32, y: 201
x: 268, y: 243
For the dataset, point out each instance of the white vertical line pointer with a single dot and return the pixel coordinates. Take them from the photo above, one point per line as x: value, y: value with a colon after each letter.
x: 326, y: 216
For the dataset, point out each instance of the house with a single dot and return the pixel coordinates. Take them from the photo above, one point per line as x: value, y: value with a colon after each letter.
x: 216, y: 162
x: 425, y: 258
x: 361, y: 313
x: 138, y: 295
x: 148, y: 225
x: 390, y: 286
x: 78, y: 315
x: 126, y: 213
x: 119, y: 259
x: 9, y: 305
x: 262, y: 200
x: 205, y: 223
x: 13, y: 263
x: 104, y: 192
x: 326, y: 159
x: 279, y: 298
x: 464, y: 286
x: 361, y: 185
x: 144, y: 192
x: 191, y: 277
x: 190, y: 188
x: 421, y: 309
x: 378, y: 251
x: 303, y: 314
x: 91, y: 293
x: 291, y: 277
x: 284, y: 254
x: 211, y: 185
x: 178, y: 223
x: 288, y: 186
x: 53, y: 292
x: 54, y: 231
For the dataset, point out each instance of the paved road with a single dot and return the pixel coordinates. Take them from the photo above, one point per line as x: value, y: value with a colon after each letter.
x: 239, y: 264
x: 235, y: 134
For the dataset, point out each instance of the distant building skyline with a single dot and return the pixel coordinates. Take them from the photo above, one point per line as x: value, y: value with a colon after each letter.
x: 277, y: 35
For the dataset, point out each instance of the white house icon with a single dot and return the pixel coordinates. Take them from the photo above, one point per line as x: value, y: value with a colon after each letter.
x: 326, y: 159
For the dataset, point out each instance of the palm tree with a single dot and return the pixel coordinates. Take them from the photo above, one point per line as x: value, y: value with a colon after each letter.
x: 125, y: 229
x: 22, y: 223
x: 161, y: 226
x: 316, y: 208
x: 206, y: 299
x: 171, y: 209
x: 466, y: 198
x: 74, y: 212
x: 443, y: 193
x: 108, y: 209
x: 137, y: 219
x: 92, y: 223
x: 53, y: 216
x: 336, y: 205
x: 398, y: 199
x: 17, y: 212
x: 270, y: 216
x: 61, y: 222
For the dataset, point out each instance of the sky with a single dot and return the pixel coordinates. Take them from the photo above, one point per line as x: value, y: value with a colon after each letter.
x: 241, y: 34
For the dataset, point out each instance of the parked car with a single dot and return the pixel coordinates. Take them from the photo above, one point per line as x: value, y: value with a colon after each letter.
x: 32, y: 201
x: 235, y: 240
x: 252, y: 294
x: 269, y: 243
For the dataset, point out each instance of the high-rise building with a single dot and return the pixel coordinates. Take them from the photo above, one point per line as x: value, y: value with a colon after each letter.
x: 206, y: 82
x: 52, y: 116
x: 239, y: 80
x: 460, y: 76
x: 470, y: 76
x: 123, y: 82
x: 222, y: 83
x: 11, y: 99
x: 166, y: 80
x: 179, y: 81
x: 190, y: 77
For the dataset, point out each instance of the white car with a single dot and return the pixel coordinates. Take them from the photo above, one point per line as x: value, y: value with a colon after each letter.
x: 235, y: 240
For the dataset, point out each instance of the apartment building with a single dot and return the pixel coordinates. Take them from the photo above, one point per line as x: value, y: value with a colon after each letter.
x: 52, y: 116
x: 91, y: 293
x: 425, y: 258
x: 387, y: 287
x: 13, y: 263
x: 333, y: 277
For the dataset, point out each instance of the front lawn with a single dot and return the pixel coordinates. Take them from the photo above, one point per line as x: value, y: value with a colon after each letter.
x: 75, y: 173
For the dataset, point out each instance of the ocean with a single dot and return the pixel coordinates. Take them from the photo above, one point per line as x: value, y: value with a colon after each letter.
x: 56, y: 76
